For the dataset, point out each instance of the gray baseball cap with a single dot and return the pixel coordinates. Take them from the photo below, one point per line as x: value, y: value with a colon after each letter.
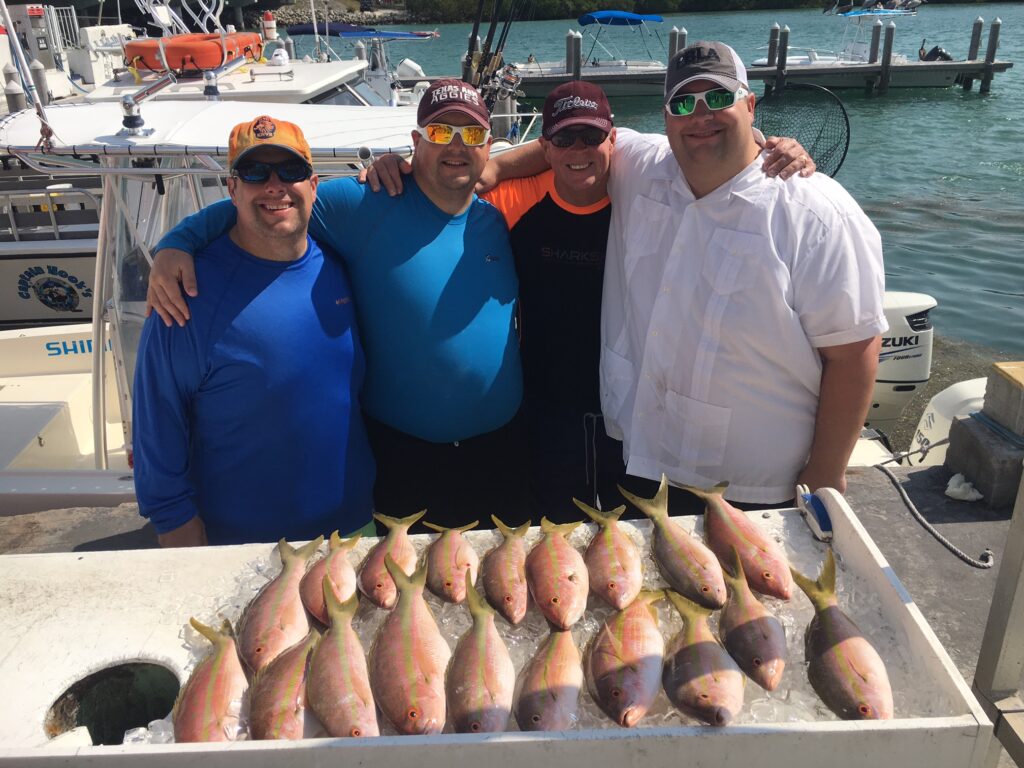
x: 705, y: 60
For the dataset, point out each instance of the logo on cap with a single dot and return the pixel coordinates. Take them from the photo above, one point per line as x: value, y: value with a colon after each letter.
x: 572, y: 102
x: 696, y: 55
x: 455, y: 93
x: 264, y: 128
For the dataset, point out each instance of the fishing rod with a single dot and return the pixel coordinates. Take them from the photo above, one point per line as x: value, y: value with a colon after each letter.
x: 495, y: 60
x: 467, y: 65
x: 486, y: 52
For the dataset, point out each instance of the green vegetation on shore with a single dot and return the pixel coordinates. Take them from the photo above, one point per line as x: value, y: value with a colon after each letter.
x: 456, y: 11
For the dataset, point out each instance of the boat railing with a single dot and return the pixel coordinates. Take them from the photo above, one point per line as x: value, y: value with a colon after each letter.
x: 57, y: 212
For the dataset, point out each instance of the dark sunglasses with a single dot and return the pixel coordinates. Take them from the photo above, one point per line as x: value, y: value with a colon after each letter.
x: 591, y: 137
x: 288, y: 171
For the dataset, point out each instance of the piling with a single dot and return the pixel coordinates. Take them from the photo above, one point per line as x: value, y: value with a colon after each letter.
x: 289, y: 46
x: 674, y: 44
x: 10, y: 73
x: 570, y: 48
x: 773, y: 44
x: 883, y: 77
x: 876, y: 40
x: 15, y: 96
x: 990, y: 55
x: 38, y: 73
x: 972, y: 53
x: 780, y: 65
x: 577, y: 55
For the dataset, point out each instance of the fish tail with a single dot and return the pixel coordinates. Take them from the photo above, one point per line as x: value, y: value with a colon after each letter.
x: 478, y: 607
x: 651, y: 596
x: 688, y: 609
x: 336, y: 609
x: 344, y: 544
x: 290, y: 554
x: 656, y: 508
x: 821, y: 592
x: 417, y: 580
x: 508, y: 532
x: 604, y: 519
x: 460, y: 529
x: 217, y: 637
x: 398, y: 522
x: 706, y: 494
x: 562, y: 530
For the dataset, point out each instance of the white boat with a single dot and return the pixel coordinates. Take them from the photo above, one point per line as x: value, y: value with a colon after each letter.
x: 842, y: 68
x: 601, y: 62
x: 65, y: 391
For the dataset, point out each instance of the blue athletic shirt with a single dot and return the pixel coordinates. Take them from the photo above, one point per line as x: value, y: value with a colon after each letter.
x: 249, y: 415
x: 435, y: 296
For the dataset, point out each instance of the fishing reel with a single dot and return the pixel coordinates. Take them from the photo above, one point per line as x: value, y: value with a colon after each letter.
x: 501, y: 85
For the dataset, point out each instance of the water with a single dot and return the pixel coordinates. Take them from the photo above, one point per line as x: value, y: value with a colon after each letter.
x: 940, y: 171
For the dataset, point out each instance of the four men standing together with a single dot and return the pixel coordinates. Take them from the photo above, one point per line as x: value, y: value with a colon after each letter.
x: 732, y: 302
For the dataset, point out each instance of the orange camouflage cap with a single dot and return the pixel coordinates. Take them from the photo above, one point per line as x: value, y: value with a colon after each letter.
x: 266, y: 131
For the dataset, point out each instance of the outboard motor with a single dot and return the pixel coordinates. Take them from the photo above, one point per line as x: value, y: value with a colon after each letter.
x: 905, y: 360
x: 935, y: 54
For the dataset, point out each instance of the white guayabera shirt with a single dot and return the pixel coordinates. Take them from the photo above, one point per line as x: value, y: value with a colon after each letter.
x: 713, y: 312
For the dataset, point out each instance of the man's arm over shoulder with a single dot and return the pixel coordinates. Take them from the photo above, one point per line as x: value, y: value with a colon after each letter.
x: 335, y: 216
x: 168, y: 372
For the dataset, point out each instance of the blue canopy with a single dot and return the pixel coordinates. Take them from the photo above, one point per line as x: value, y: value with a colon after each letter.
x: 350, y: 31
x: 617, y: 18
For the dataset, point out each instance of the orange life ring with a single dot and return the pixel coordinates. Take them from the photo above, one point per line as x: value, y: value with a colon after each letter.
x: 193, y: 52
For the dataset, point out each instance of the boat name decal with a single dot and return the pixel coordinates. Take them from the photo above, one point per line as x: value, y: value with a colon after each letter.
x: 72, y: 347
x: 54, y: 287
x: 895, y: 342
x: 572, y: 102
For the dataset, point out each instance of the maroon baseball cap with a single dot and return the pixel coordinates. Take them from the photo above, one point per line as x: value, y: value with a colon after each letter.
x: 452, y: 95
x: 576, y: 102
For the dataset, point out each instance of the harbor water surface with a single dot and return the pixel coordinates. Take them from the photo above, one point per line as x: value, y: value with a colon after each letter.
x: 939, y: 171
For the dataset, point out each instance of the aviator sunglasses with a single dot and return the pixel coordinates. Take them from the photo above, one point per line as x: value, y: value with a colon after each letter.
x: 591, y: 137
x: 288, y: 171
x: 442, y: 133
x: 715, y: 99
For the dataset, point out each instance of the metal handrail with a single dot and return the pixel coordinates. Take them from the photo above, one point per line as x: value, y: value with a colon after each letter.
x: 7, y: 198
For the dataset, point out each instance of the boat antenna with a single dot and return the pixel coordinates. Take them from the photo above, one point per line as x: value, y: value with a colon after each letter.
x: 45, y: 131
x: 485, y: 54
x: 467, y: 66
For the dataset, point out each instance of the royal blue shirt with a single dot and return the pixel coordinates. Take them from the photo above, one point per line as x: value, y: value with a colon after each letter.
x: 435, y: 296
x: 249, y: 416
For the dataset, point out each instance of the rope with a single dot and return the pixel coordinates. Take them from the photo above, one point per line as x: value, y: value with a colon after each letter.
x: 985, y: 560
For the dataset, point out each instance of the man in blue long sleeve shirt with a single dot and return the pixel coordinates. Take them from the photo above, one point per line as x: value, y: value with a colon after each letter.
x: 247, y: 421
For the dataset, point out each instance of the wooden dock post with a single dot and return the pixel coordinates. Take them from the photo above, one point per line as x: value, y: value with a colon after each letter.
x: 876, y: 39
x: 780, y: 66
x: 990, y: 55
x: 773, y: 54
x: 883, y: 76
x: 972, y: 53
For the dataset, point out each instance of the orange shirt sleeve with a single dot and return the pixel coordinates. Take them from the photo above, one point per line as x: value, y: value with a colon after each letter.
x: 514, y: 197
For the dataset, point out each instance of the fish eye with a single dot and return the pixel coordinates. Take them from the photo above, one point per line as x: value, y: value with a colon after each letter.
x: 448, y: 583
x: 356, y: 731
x: 535, y: 718
x: 612, y: 585
x: 766, y: 575
x: 508, y: 598
x: 380, y: 585
x: 259, y: 649
x: 705, y: 588
x: 865, y: 710
x: 413, y: 713
x: 554, y: 600
x: 705, y: 696
x: 475, y: 727
x: 757, y: 661
x: 616, y: 693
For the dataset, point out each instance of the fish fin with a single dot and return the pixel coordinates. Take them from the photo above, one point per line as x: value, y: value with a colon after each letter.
x: 706, y: 493
x: 656, y: 508
x: 650, y: 596
x: 460, y: 529
x: 688, y: 609
x: 302, y: 554
x: 214, y: 636
x: 508, y: 532
x: 563, y: 529
x: 821, y: 592
x: 406, y: 581
x: 398, y: 522
x: 733, y: 570
x: 478, y: 607
x: 604, y: 519
x: 346, y: 544
x: 336, y: 609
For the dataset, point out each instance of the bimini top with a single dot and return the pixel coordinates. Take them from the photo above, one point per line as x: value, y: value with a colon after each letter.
x: 879, y: 12
x: 352, y: 31
x: 202, y: 128
x: 617, y: 18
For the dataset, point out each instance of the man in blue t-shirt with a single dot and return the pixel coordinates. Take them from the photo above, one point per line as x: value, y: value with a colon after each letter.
x: 247, y: 422
x: 435, y: 291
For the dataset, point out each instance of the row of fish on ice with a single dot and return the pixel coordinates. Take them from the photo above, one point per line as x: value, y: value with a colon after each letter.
x: 419, y: 685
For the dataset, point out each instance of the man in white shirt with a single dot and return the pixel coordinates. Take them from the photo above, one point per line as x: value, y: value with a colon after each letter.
x: 741, y: 314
